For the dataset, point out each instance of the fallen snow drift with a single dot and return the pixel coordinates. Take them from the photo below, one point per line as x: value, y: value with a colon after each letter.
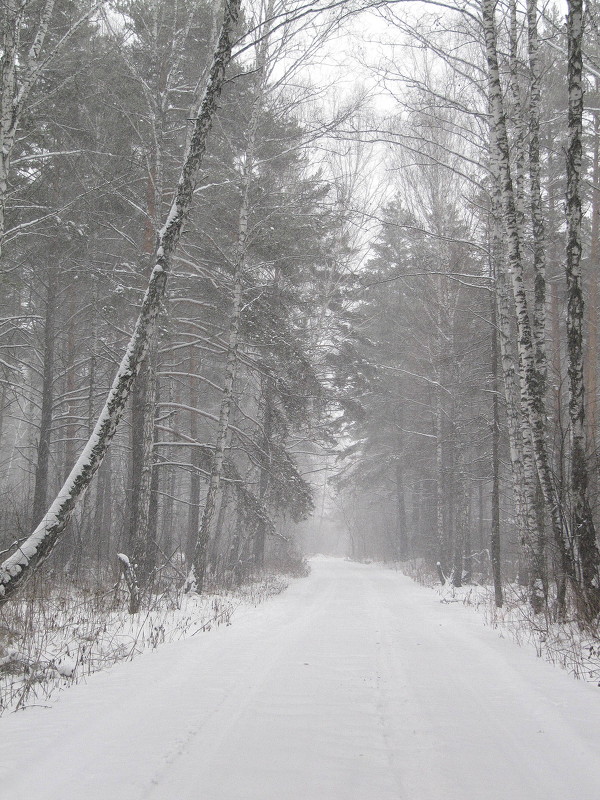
x: 354, y: 684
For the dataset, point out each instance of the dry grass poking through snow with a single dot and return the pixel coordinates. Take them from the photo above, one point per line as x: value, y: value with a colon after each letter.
x: 52, y: 639
x: 568, y: 644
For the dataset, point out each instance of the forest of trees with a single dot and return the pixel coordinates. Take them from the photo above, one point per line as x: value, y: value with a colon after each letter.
x: 476, y: 446
x: 394, y: 285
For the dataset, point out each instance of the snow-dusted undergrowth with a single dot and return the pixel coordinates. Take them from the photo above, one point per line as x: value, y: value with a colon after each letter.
x: 566, y: 644
x: 52, y: 639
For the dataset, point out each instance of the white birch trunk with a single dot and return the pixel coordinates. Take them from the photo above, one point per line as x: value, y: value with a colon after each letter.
x: 539, y: 238
x: 535, y: 182
x: 586, y: 549
x: 495, y: 544
x: 532, y: 397
x: 591, y: 356
x: 533, y: 541
x: 518, y: 122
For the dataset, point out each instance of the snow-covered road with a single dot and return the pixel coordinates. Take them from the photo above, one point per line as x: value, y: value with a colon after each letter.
x: 355, y: 684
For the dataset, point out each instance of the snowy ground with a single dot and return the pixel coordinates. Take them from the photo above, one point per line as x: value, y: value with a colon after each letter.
x: 354, y: 684
x: 48, y: 643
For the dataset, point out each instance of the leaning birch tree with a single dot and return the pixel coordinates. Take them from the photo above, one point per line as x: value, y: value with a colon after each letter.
x: 36, y: 548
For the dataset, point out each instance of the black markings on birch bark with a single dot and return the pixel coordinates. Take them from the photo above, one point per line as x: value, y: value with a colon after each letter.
x: 531, y: 395
x: 587, y: 557
x: 495, y: 548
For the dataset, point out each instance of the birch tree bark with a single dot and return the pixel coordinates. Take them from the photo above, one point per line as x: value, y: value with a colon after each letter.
x: 535, y: 182
x: 539, y: 249
x: 519, y: 437
x: 495, y: 544
x: 40, y: 543
x: 532, y: 397
x: 522, y: 461
x: 591, y: 356
x: 534, y: 540
x: 517, y: 118
x: 586, y: 549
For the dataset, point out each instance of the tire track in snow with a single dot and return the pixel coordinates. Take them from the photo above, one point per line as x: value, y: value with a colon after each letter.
x: 355, y: 684
x: 255, y: 666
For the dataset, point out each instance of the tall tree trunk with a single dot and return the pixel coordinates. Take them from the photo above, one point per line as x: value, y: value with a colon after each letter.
x: 416, y: 498
x: 461, y: 570
x: 218, y: 559
x: 537, y: 215
x: 3, y: 408
x: 520, y: 451
x: 588, y: 557
x: 143, y: 414
x: 193, y: 515
x: 401, y: 531
x: 142, y: 537
x: 444, y: 508
x: 40, y: 496
x: 591, y: 356
x: 260, y: 535
x: 482, y: 537
x: 138, y: 400
x: 235, y: 561
x: 517, y: 118
x: 40, y: 543
x: 153, y: 505
x: 70, y: 383
x: 167, y: 514
x: 441, y: 534
x: 458, y: 543
x: 212, y: 501
x: 532, y: 398
x: 102, y: 517
x: 539, y: 255
x: 213, y: 496
x: 168, y: 502
x: 495, y: 526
